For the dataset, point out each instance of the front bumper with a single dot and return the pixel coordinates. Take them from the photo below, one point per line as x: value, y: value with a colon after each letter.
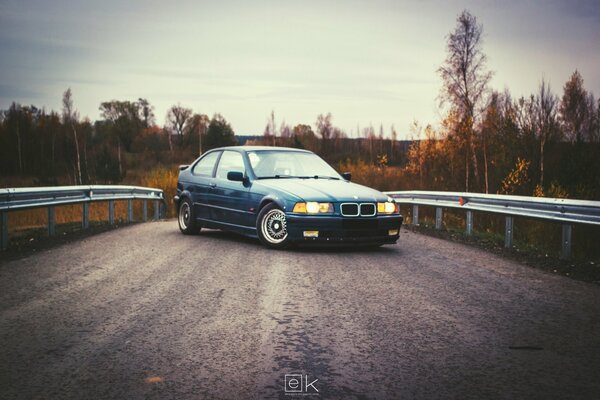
x: 344, y: 230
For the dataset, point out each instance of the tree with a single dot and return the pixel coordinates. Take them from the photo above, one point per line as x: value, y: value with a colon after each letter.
x: 305, y: 138
x: 489, y: 125
x: 574, y: 108
x: 126, y: 118
x: 270, y: 129
x: 147, y: 112
x: 545, y: 120
x: 465, y: 80
x: 219, y: 133
x: 177, y: 119
x: 11, y: 118
x: 285, y: 130
x: 393, y: 143
x: 70, y: 117
x: 324, y: 129
x: 197, y: 125
x: 125, y: 124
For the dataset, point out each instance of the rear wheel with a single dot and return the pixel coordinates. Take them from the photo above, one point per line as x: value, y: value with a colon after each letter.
x: 186, y: 219
x: 271, y: 226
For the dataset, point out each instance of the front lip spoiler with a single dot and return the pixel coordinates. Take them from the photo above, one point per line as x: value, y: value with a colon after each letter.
x: 336, y: 233
x: 346, y: 242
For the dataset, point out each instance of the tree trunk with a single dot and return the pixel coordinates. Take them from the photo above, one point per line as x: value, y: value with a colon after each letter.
x: 119, y: 157
x: 542, y: 145
x: 474, y: 158
x: 87, y: 169
x: 19, y: 149
x: 53, y: 146
x: 78, y: 177
x: 485, y: 164
x: 199, y: 140
x: 467, y: 169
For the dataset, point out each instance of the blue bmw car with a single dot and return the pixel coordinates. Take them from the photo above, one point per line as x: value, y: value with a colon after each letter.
x: 282, y: 196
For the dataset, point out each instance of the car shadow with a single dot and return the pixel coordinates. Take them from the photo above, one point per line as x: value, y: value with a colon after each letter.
x: 303, y: 248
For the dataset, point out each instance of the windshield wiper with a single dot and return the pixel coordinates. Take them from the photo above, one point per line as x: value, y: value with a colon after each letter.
x: 319, y: 177
x: 299, y: 177
x: 277, y: 177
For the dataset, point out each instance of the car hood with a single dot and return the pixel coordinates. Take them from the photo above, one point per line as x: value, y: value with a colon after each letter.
x: 312, y: 189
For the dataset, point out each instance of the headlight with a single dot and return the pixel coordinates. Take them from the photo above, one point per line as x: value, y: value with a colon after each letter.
x: 387, y: 208
x: 312, y: 207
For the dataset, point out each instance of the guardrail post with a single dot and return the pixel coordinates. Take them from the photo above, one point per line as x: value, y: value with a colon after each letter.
x: 438, y: 218
x: 145, y: 210
x: 508, y: 232
x: 129, y: 210
x: 156, y: 210
x: 565, y: 253
x: 469, y: 223
x: 3, y: 230
x: 51, y: 221
x: 111, y: 212
x: 415, y: 215
x: 85, y: 220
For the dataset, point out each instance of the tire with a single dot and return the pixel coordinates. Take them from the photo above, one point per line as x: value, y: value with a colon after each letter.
x: 186, y: 218
x: 271, y: 226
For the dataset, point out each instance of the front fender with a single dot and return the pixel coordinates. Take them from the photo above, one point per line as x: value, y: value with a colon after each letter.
x: 284, y: 204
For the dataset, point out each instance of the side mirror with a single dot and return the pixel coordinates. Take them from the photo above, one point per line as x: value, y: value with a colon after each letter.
x: 347, y: 176
x: 235, y: 176
x: 182, y: 167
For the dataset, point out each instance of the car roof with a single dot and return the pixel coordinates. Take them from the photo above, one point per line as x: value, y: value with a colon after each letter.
x: 259, y: 148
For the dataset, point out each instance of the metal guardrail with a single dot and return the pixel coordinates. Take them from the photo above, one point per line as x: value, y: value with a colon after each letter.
x: 14, y: 199
x: 565, y: 211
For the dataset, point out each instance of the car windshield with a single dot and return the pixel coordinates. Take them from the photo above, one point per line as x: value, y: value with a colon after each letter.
x: 289, y: 164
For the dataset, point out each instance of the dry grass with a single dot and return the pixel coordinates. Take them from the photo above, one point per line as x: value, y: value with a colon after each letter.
x: 379, y: 177
x: 161, y: 178
x: 166, y: 179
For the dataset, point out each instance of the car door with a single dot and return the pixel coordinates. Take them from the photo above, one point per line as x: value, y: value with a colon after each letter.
x: 203, y: 181
x: 230, y: 198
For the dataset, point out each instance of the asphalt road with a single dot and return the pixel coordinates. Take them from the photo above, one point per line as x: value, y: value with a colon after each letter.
x: 145, y: 312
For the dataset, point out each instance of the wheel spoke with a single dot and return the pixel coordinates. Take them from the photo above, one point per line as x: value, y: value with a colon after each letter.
x: 274, y: 226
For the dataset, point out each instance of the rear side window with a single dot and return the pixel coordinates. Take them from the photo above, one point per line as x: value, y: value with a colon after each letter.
x: 230, y: 161
x: 206, y: 165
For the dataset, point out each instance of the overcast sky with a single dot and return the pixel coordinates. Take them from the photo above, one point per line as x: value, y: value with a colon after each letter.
x: 366, y: 62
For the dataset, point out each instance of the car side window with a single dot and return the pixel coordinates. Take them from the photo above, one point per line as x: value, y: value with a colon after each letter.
x: 230, y: 161
x: 206, y: 165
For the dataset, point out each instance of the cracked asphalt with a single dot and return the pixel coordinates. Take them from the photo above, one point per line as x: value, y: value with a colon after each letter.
x: 143, y: 312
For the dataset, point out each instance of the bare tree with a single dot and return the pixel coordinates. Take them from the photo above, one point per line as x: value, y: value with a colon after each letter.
x: 324, y: 128
x: 465, y: 79
x: 270, y: 129
x: 70, y: 118
x: 545, y: 120
x: 177, y: 119
x: 285, y: 130
x: 198, y: 125
x: 393, y: 143
x: 146, y: 111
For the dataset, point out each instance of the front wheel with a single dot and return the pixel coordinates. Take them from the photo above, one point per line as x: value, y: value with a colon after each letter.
x: 271, y: 226
x: 186, y: 219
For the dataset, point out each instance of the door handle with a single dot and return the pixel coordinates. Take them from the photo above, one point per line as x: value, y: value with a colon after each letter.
x: 213, y: 185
